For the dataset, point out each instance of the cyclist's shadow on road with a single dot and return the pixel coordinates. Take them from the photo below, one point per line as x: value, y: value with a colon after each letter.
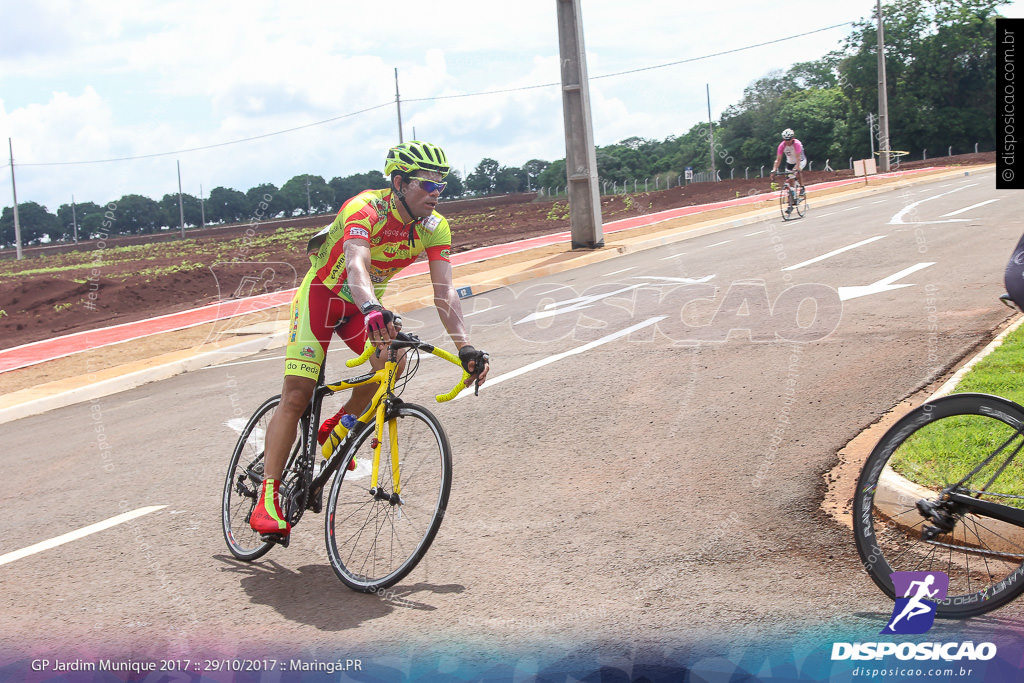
x: 313, y: 595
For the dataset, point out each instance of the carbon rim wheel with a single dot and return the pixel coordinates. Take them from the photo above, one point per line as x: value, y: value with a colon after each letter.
x: 903, y: 523
x: 375, y: 538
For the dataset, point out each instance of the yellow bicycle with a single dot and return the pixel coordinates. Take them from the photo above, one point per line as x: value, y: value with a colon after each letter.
x: 382, y: 515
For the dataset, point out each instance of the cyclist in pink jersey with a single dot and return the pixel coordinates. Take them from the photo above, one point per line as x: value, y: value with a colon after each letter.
x: 376, y: 234
x: 793, y: 150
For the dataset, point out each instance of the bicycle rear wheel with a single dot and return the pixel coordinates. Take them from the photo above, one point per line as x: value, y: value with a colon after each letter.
x: 375, y: 538
x: 243, y: 481
x: 969, y: 441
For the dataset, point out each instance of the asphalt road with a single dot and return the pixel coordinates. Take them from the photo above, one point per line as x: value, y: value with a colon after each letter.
x: 642, y: 473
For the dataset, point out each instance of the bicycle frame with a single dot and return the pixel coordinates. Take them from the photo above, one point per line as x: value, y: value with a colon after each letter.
x: 377, y: 410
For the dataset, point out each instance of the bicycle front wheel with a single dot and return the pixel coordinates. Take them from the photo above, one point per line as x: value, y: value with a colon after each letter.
x: 376, y: 537
x: 784, y: 205
x: 904, y: 520
x: 800, y: 202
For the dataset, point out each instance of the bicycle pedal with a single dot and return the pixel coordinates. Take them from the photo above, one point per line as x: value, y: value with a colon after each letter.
x: 279, y: 539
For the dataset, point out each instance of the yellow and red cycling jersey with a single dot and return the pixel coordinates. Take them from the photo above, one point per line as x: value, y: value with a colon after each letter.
x: 372, y: 215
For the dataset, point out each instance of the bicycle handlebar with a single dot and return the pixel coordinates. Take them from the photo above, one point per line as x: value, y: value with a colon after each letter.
x: 404, y: 340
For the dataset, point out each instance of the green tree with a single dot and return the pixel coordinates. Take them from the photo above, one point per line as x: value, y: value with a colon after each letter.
x: 87, y: 215
x: 226, y: 205
x: 135, y: 215
x: 307, y: 194
x: 349, y: 186
x: 265, y: 201
x: 36, y: 224
x: 484, y: 178
x: 189, y: 206
x: 553, y: 176
x: 533, y: 169
x: 940, y: 69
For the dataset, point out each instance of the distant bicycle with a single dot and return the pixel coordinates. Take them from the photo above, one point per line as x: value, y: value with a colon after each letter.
x: 943, y: 490
x: 792, y: 197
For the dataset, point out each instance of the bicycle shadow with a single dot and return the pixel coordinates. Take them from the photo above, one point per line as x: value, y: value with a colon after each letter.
x: 314, y: 596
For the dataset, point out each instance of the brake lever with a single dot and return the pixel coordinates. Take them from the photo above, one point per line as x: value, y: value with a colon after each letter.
x: 480, y: 360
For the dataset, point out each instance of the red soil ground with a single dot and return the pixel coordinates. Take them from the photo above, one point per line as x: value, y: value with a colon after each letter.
x: 40, y: 306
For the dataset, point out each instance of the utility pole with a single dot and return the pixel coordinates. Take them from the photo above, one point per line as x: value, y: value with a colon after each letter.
x: 14, y: 189
x: 580, y: 155
x: 883, y: 101
x: 202, y: 208
x: 398, y: 105
x: 309, y: 208
x: 74, y: 218
x: 711, y: 133
x: 181, y: 204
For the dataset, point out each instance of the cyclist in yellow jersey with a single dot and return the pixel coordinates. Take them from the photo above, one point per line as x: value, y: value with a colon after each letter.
x: 375, y: 235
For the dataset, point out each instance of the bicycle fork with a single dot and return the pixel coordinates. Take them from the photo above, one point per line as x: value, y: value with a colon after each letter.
x: 377, y: 491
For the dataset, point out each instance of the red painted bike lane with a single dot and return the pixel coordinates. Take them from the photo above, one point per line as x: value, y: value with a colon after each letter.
x: 66, y: 345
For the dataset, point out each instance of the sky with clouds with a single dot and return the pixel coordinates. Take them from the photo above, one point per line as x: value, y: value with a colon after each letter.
x: 179, y: 81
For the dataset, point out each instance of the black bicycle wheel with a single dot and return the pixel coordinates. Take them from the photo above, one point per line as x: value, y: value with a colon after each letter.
x: 242, y: 485
x: 800, y: 206
x: 784, y: 207
x: 904, y: 522
x: 375, y: 538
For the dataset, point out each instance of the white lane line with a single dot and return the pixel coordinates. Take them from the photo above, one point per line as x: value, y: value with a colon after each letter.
x: 666, y: 258
x: 965, y: 210
x: 833, y: 253
x: 717, y: 244
x: 482, y: 310
x: 565, y: 354
x: 75, y: 535
x: 616, y: 272
x: 759, y: 232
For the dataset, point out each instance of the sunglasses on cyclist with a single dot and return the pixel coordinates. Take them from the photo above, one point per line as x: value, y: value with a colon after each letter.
x: 429, y: 186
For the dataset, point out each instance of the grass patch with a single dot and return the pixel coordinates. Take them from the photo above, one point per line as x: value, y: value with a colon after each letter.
x: 946, y: 450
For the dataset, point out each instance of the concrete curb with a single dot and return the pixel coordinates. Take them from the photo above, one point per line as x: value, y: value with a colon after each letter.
x: 62, y: 393
x: 46, y: 397
x: 894, y: 490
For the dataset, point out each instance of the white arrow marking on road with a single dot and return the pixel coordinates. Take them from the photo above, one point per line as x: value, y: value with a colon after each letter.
x: 883, y: 285
x: 966, y: 209
x: 898, y: 218
x: 582, y: 302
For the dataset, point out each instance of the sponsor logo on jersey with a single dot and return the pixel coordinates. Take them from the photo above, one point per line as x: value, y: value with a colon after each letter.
x: 431, y: 222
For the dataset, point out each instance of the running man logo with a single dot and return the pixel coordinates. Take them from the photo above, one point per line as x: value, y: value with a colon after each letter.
x: 917, y: 593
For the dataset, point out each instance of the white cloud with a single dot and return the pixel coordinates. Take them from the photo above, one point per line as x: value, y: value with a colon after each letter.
x: 94, y: 80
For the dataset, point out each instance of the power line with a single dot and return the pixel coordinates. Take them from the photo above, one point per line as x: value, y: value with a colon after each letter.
x: 211, y: 146
x: 431, y: 99
x: 633, y: 71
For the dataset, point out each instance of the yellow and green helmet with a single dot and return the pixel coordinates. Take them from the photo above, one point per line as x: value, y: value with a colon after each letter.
x: 408, y: 157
